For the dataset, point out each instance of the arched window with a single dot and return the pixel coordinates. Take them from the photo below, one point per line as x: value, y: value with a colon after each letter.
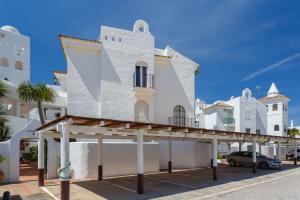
x: 275, y: 107
x: 179, y: 115
x: 19, y: 65
x: 141, y: 110
x: 276, y: 127
x: 4, y: 62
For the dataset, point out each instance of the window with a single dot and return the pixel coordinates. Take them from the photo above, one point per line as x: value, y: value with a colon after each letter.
x: 248, y: 130
x: 105, y: 37
x: 140, y: 76
x: 4, y: 62
x: 113, y: 38
x: 276, y: 127
x: 285, y: 129
x: 120, y: 39
x: 19, y: 65
x: 248, y: 117
x: 258, y: 131
x: 267, y: 107
x: 275, y: 107
x: 179, y: 115
x: 141, y: 29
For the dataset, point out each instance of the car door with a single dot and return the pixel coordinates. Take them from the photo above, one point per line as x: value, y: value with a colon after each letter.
x: 246, y: 158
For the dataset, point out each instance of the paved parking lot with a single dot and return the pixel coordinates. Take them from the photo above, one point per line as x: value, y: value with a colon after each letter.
x: 183, y: 184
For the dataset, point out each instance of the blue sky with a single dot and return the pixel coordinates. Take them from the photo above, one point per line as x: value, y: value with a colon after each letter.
x: 238, y: 43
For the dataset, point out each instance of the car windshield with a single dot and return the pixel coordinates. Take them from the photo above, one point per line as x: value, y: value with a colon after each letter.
x: 260, y: 155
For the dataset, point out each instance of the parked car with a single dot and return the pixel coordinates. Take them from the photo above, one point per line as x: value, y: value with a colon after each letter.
x: 245, y: 158
x: 290, y: 154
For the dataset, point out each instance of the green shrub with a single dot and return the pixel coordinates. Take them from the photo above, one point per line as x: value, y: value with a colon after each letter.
x: 2, y: 158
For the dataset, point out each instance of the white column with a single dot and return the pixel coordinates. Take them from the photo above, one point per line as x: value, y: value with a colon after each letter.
x: 140, y: 163
x: 254, y: 156
x: 41, y: 155
x: 170, y: 156
x: 65, y: 148
x: 215, y: 157
x: 100, y: 157
x: 64, y: 162
x: 41, y: 161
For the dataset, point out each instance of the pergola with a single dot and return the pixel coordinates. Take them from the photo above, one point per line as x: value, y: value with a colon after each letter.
x: 69, y: 126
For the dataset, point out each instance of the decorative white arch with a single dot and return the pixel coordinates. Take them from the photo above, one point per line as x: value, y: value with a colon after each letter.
x: 14, y: 148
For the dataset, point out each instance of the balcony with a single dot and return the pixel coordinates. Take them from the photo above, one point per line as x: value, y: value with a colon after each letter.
x: 229, y: 121
x: 182, y: 121
x: 143, y: 83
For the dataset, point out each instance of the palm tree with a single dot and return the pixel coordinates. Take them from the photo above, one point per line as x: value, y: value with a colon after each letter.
x: 4, y: 129
x: 293, y: 132
x: 38, y: 93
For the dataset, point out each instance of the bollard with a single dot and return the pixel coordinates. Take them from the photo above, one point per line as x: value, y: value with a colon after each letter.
x: 6, y: 195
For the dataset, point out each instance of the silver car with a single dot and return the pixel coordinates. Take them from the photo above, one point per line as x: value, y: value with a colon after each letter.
x: 244, y: 158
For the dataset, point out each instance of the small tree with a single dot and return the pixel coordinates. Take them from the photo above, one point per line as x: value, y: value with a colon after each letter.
x: 293, y: 132
x: 38, y: 93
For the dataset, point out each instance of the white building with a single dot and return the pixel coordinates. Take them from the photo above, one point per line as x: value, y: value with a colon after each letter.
x: 277, y: 105
x: 123, y: 76
x: 14, y: 55
x: 246, y: 114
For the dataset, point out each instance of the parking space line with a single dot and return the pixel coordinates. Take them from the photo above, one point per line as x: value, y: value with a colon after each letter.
x: 119, y: 186
x: 172, y: 183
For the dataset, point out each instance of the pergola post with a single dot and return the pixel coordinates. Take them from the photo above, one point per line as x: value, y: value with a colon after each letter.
x: 295, y: 153
x: 140, y: 163
x: 100, y: 157
x: 275, y: 150
x: 215, y: 158
x: 240, y: 145
x: 211, y: 154
x: 41, y: 164
x: 254, y: 156
x: 64, y: 162
x: 278, y: 151
x: 170, y: 156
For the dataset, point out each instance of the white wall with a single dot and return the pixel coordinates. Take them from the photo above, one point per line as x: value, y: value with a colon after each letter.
x: 8, y: 46
x: 4, y: 151
x: 186, y: 154
x: 119, y: 159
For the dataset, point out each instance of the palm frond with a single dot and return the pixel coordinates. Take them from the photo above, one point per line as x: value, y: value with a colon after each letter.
x: 45, y: 93
x: 27, y: 92
x: 3, y: 89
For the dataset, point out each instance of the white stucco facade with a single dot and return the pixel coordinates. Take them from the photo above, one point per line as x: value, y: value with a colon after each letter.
x: 105, y: 70
x: 246, y: 114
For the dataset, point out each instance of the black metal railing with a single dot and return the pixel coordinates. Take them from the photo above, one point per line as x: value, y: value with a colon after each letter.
x: 182, y: 121
x: 143, y: 80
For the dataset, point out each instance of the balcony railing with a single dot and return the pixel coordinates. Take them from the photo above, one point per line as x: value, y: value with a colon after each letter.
x: 229, y: 120
x: 143, y: 80
x: 182, y: 121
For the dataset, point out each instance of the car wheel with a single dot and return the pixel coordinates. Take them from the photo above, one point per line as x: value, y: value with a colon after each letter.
x: 264, y: 165
x: 232, y: 163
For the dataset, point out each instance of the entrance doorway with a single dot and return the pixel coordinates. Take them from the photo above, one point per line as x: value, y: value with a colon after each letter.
x: 28, y: 160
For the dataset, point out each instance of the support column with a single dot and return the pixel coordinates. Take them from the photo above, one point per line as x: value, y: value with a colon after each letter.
x: 278, y: 151
x: 140, y: 163
x: 295, y: 153
x: 215, y: 158
x: 100, y: 157
x: 41, y: 164
x: 254, y: 156
x: 64, y: 162
x: 170, y: 157
x: 240, y: 146
x: 275, y: 150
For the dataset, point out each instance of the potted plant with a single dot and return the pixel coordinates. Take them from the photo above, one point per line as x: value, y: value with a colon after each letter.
x: 2, y: 175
